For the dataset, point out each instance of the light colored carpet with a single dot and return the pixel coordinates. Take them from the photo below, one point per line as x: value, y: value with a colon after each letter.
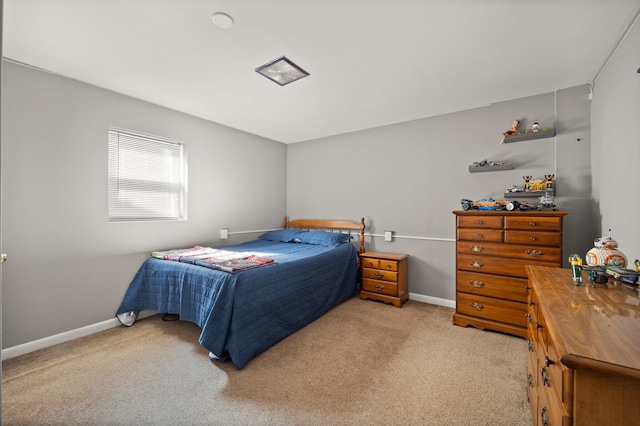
x: 363, y: 363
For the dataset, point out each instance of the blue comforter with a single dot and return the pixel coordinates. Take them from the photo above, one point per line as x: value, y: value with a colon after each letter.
x: 244, y: 313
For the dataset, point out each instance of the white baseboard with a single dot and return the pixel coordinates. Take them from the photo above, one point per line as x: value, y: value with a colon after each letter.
x: 46, y: 342
x: 25, y: 348
x: 433, y: 300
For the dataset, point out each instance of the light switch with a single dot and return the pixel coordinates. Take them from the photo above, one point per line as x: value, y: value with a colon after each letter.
x: 224, y: 233
x: 388, y: 235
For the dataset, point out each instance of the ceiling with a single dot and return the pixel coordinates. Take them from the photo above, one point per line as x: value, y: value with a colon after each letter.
x: 371, y: 62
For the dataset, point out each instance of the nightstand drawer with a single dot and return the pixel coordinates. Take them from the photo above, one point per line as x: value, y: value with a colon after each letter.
x: 382, y: 287
x: 480, y: 222
x: 475, y: 234
x: 387, y: 265
x: 378, y: 274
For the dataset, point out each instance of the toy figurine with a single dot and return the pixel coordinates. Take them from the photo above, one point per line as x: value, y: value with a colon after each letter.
x: 535, y: 128
x: 549, y: 180
x: 513, y: 130
x: 526, y: 182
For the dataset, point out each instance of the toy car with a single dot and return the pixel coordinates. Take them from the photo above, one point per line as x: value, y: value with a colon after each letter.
x: 483, y: 204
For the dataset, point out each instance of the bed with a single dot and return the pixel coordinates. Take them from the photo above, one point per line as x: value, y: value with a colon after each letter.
x: 286, y: 279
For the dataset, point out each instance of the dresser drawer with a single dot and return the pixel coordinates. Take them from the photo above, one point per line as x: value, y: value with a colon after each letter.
x: 534, y: 223
x: 480, y: 222
x: 505, y: 311
x: 382, y: 287
x: 492, y: 286
x: 496, y: 265
x: 379, y: 274
x: 551, y: 239
x: 526, y: 252
x: 475, y: 234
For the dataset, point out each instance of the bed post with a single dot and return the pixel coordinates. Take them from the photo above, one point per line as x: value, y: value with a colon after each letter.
x: 284, y: 224
x: 361, y: 235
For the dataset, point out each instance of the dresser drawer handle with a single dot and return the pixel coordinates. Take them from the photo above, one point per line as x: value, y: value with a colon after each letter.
x: 379, y: 275
x: 532, y: 224
x: 530, y: 377
x: 479, y: 222
x: 379, y: 287
x: 530, y: 345
x: 535, y: 253
x: 529, y: 316
x: 479, y: 236
x: 548, y: 361
x: 476, y: 306
x: 477, y: 249
x: 476, y: 264
x: 532, y: 238
x: 476, y: 284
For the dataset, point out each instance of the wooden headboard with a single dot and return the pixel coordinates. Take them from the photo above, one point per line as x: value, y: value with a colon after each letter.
x: 328, y: 225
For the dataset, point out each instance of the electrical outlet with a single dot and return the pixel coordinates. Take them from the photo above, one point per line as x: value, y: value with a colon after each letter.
x: 224, y: 233
x: 388, y: 235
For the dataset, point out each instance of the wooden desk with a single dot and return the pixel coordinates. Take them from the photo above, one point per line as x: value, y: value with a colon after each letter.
x: 584, y: 350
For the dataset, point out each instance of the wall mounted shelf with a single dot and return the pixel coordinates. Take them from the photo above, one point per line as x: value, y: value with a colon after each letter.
x: 529, y: 194
x: 543, y: 134
x: 479, y: 169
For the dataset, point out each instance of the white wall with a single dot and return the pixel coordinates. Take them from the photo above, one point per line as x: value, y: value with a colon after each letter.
x: 68, y: 266
x: 616, y: 146
x: 409, y: 177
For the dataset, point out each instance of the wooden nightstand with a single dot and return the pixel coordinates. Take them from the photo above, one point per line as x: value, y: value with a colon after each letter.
x: 384, y: 277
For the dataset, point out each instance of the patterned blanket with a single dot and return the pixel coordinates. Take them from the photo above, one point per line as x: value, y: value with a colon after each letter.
x: 223, y: 260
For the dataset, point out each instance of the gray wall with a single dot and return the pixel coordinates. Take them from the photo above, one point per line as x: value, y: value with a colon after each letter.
x: 616, y: 146
x: 409, y: 177
x: 69, y: 267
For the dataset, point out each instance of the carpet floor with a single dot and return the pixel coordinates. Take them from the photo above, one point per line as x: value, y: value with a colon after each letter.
x: 363, y: 363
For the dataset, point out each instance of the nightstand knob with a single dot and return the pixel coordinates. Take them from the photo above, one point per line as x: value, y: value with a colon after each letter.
x: 380, y: 287
x: 379, y: 275
x: 476, y: 306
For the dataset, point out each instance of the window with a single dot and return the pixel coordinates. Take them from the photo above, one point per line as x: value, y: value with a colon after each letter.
x: 147, y: 178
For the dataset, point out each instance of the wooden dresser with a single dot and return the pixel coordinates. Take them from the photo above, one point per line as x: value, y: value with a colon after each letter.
x: 492, y: 250
x: 584, y: 350
x: 384, y: 277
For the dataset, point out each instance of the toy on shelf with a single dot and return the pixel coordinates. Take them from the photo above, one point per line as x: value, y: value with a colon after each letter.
x: 535, y: 186
x: 513, y: 130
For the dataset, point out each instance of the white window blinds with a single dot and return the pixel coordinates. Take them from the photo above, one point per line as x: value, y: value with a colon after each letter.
x: 147, y: 178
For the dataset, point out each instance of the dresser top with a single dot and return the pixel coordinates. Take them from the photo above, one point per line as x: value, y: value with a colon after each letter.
x: 475, y: 212
x: 598, y: 324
